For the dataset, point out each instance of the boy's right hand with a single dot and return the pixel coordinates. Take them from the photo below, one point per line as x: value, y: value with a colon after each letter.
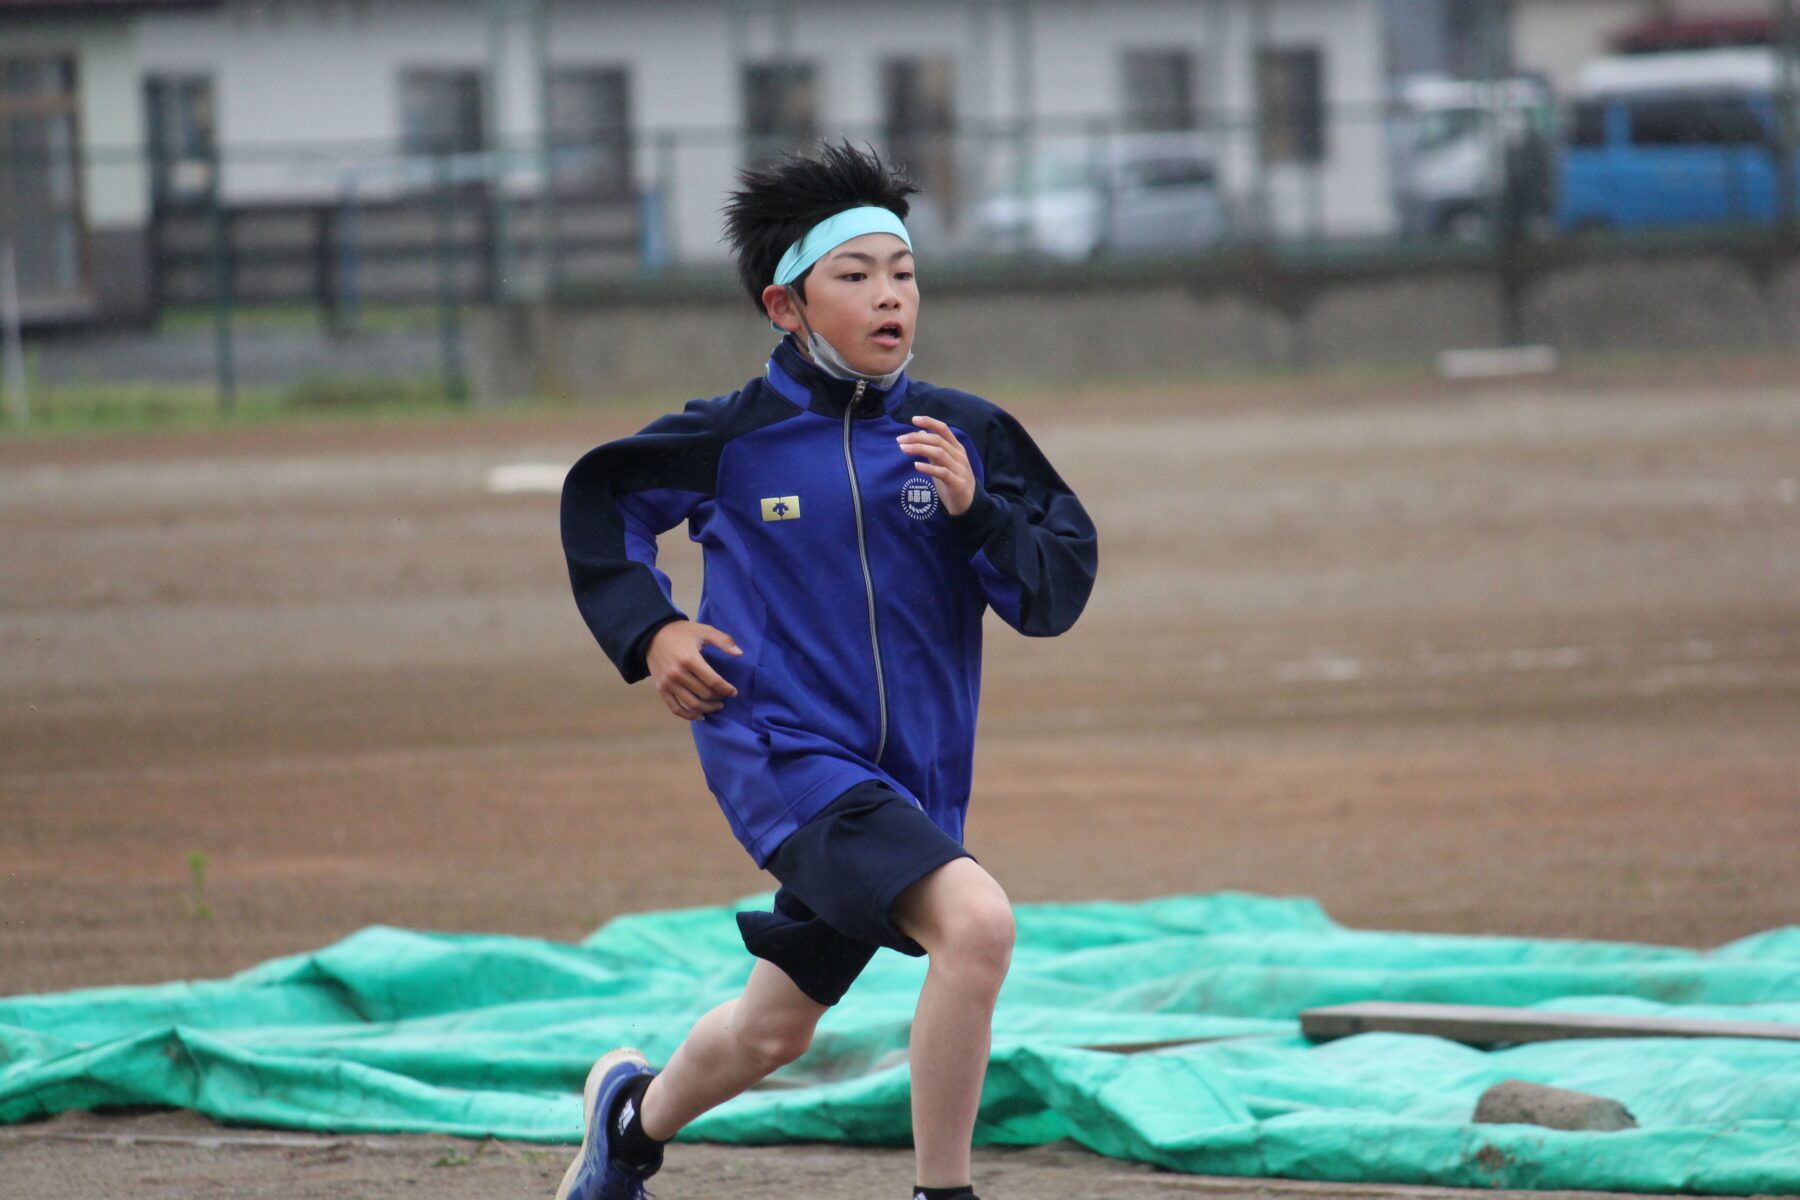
x: 684, y: 679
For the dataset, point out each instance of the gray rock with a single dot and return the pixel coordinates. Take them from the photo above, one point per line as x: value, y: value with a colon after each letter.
x: 1516, y: 1102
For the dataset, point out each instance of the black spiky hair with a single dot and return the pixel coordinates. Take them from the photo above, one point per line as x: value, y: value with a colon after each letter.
x: 780, y: 201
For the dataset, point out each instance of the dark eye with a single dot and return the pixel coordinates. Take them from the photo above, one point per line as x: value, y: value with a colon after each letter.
x: 853, y: 277
x: 903, y: 275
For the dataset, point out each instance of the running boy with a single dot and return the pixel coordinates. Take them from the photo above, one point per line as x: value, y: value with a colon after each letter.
x: 856, y: 523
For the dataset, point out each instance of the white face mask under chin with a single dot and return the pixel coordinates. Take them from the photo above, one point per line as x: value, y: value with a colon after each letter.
x: 828, y: 360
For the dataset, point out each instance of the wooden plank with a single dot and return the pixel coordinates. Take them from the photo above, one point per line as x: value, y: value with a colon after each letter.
x: 1169, y: 1044
x: 1475, y: 1025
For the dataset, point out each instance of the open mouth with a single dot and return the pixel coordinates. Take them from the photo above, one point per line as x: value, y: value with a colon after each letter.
x: 888, y: 335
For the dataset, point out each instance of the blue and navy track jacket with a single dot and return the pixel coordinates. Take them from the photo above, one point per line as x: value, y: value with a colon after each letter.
x: 856, y: 600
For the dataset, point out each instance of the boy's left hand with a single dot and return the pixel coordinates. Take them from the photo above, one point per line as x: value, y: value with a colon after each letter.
x: 943, y: 458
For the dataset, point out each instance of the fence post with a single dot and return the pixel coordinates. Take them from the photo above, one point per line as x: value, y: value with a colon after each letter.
x: 18, y: 404
x: 157, y: 229
x: 653, y: 246
x: 549, y: 219
x: 1786, y: 190
x: 665, y: 177
x: 224, y: 351
x: 654, y: 216
x: 449, y: 312
x: 348, y: 300
x: 325, y: 287
x: 1024, y: 100
x: 1260, y: 195
x: 1504, y: 220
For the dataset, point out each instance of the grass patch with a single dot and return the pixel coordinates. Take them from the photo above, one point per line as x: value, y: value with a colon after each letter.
x: 74, y: 409
x: 79, y: 408
x: 332, y: 394
x: 198, y: 906
x: 109, y: 408
x: 301, y: 316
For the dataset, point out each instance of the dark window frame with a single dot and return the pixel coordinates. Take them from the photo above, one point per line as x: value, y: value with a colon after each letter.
x: 768, y: 128
x: 599, y: 155
x: 1144, y: 113
x: 1290, y: 91
x: 468, y: 132
x: 182, y: 160
x: 58, y: 108
x: 918, y: 121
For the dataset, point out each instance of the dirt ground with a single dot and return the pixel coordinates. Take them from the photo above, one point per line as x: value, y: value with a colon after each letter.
x: 1515, y: 658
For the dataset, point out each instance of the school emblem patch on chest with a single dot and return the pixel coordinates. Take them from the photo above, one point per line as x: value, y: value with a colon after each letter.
x: 919, y: 498
x: 781, y: 508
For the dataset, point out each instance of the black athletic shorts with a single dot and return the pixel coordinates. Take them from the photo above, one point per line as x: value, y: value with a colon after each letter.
x: 840, y: 874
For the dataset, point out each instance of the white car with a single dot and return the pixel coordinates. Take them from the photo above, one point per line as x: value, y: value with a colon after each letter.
x: 1126, y: 195
x: 1452, y: 143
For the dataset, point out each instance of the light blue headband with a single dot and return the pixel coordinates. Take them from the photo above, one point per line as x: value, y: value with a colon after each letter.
x: 833, y: 232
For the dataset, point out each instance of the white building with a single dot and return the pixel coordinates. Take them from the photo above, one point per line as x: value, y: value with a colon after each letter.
x: 316, y: 100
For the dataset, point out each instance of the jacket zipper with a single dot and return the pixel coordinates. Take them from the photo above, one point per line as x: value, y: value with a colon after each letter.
x: 862, y: 550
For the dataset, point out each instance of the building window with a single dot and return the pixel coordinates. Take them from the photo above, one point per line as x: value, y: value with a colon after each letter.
x: 590, y: 126
x: 1290, y: 89
x: 182, y: 137
x: 780, y: 108
x: 1159, y: 90
x: 440, y: 111
x: 40, y: 177
x: 918, y: 123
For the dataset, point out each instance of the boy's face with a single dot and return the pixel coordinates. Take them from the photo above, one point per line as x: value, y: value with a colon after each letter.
x: 862, y: 298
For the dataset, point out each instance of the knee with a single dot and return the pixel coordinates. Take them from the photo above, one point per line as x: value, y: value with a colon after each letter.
x: 772, y: 1044
x: 980, y: 940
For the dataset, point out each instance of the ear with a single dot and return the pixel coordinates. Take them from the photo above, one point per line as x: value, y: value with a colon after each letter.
x: 778, y: 302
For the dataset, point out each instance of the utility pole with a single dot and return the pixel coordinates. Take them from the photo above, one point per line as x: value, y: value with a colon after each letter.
x: 12, y: 345
x: 549, y: 230
x: 1024, y: 87
x: 1505, y: 218
x: 1259, y: 122
x: 224, y: 280
x: 507, y: 20
x: 1787, y: 57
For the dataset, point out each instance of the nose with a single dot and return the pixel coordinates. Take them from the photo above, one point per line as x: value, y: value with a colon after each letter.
x: 887, y: 295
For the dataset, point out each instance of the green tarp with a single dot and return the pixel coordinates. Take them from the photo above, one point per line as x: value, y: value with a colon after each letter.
x: 480, y: 1035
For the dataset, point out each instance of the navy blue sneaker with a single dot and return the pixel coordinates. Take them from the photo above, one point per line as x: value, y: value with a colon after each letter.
x: 594, y: 1175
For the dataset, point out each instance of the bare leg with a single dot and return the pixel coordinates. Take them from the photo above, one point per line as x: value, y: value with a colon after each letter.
x: 730, y: 1048
x: 963, y: 919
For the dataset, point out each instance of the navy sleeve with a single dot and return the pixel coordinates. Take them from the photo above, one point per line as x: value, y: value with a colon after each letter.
x: 1030, y: 541
x: 615, y: 502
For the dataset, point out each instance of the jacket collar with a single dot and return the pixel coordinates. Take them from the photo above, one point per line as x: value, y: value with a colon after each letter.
x: 796, y: 377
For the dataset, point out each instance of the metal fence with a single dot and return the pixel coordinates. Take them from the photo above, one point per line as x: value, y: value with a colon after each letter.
x: 345, y: 230
x: 337, y: 224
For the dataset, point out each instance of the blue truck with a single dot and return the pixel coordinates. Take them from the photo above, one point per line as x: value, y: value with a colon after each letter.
x: 1677, y: 139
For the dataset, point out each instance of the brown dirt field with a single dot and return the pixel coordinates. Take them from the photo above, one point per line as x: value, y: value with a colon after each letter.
x: 1518, y: 658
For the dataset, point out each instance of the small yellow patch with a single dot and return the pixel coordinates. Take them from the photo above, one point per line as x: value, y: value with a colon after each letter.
x: 781, y: 508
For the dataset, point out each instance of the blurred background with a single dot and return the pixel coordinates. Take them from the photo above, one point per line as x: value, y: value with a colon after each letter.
x: 344, y: 201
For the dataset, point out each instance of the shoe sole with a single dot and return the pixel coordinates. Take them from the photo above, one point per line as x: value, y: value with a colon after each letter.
x: 590, y: 1093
